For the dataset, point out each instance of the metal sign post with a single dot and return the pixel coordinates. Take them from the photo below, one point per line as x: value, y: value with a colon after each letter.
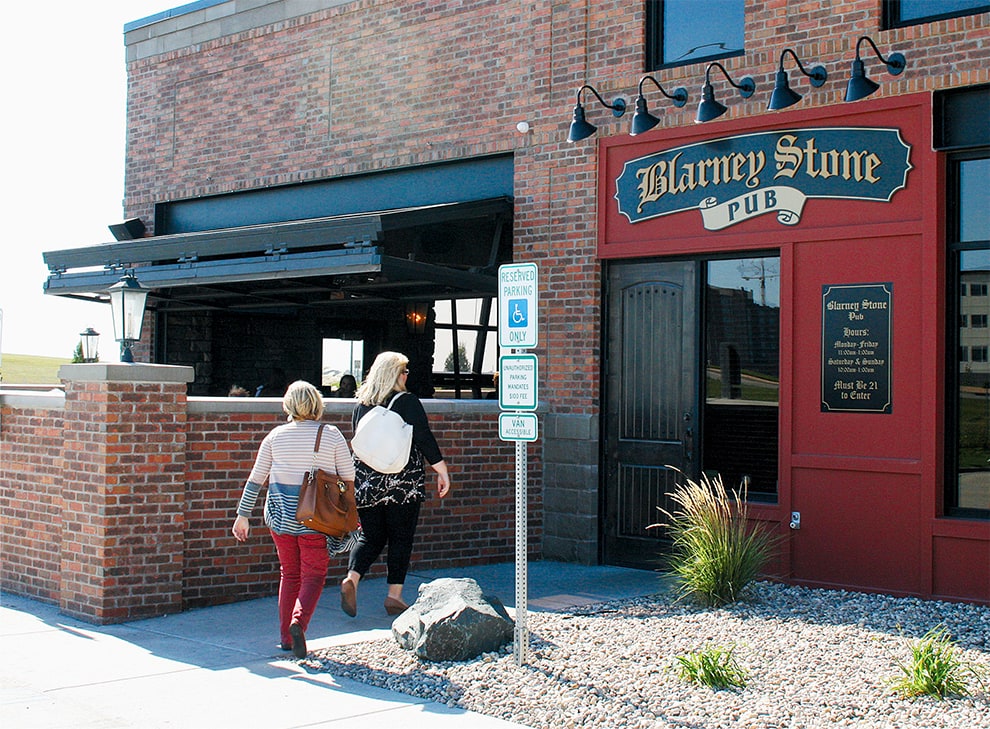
x: 520, y: 647
x: 518, y: 300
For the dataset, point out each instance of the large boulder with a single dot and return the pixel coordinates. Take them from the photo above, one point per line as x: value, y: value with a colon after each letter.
x: 452, y: 620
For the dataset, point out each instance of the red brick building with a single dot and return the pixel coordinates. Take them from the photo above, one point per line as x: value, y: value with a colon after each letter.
x: 793, y: 298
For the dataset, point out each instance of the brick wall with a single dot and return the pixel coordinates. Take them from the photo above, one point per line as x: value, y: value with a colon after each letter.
x: 31, y: 486
x: 368, y: 86
x: 475, y: 524
x: 117, y: 500
x: 371, y: 86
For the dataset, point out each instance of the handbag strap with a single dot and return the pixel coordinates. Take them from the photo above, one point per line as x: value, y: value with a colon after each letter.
x: 316, y: 446
x: 395, y: 397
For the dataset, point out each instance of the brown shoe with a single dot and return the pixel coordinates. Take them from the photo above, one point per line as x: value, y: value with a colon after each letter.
x: 298, y: 640
x: 394, y: 606
x: 348, y: 597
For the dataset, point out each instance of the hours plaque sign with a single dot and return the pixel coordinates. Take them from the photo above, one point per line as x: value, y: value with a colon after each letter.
x: 856, y: 347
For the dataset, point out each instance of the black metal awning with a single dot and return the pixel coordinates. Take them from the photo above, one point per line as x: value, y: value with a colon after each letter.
x: 433, y: 252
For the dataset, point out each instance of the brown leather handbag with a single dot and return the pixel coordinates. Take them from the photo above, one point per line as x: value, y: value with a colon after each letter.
x: 326, y: 504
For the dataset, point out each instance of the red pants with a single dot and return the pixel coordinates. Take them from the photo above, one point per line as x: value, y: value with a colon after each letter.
x: 303, y: 562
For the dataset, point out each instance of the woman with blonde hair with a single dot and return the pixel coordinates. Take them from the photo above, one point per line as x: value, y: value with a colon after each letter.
x: 285, y: 455
x: 389, y: 503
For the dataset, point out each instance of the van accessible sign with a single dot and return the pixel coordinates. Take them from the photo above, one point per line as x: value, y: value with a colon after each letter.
x: 733, y: 179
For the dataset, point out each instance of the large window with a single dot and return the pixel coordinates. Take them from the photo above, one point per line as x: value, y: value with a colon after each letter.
x: 898, y: 13
x: 679, y: 32
x: 968, y: 452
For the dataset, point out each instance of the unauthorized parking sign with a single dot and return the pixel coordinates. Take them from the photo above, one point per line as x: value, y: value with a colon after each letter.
x: 517, y: 375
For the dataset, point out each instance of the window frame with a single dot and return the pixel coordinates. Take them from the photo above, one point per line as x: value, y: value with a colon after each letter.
x: 892, y: 15
x: 653, y: 52
x: 954, y: 355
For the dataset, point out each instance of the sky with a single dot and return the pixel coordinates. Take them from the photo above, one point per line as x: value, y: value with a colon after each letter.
x: 63, y: 160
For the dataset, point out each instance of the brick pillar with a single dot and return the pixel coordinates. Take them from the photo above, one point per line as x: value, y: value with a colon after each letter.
x: 124, y: 438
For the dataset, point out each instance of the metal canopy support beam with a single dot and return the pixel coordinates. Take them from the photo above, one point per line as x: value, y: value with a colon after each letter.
x: 178, y: 275
x: 309, y: 263
x: 317, y: 233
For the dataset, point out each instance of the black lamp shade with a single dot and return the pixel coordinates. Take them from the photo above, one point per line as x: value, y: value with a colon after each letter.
x: 580, y: 128
x: 642, y: 121
x: 859, y: 86
x: 782, y: 95
x: 709, y: 109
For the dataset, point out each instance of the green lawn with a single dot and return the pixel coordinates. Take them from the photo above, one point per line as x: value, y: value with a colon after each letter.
x: 29, y: 369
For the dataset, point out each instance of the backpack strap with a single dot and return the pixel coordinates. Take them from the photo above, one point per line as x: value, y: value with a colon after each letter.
x: 395, y: 397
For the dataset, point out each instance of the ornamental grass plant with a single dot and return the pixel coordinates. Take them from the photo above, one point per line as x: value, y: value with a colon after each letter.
x: 716, y: 552
x: 935, y: 668
x: 714, y: 667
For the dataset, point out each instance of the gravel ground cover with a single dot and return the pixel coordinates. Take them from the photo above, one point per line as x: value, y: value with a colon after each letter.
x: 815, y: 658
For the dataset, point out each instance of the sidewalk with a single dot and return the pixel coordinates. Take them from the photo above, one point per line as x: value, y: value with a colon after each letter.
x: 219, y: 667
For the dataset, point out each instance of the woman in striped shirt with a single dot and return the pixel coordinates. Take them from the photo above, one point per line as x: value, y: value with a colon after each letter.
x: 285, y: 455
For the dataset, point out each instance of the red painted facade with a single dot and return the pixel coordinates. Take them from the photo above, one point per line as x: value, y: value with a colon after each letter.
x: 868, y: 485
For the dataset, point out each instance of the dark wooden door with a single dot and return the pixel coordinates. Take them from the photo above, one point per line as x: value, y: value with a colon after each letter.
x: 651, y: 402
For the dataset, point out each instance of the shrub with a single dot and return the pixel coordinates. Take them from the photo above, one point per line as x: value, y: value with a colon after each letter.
x: 935, y: 668
x: 716, y: 553
x: 714, y: 667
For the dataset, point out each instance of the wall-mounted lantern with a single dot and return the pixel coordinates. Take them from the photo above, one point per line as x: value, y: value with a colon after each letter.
x: 783, y: 96
x: 89, y: 344
x: 643, y: 120
x: 581, y: 128
x: 710, y: 108
x: 127, y: 301
x: 860, y: 86
x: 416, y: 315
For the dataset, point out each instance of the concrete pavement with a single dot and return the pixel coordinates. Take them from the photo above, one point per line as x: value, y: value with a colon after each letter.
x: 219, y: 666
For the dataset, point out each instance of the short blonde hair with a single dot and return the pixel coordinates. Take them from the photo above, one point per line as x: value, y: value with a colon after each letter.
x: 383, y: 378
x: 302, y: 401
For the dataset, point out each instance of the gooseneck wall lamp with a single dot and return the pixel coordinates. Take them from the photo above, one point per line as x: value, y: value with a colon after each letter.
x: 127, y: 300
x: 860, y: 86
x: 580, y: 128
x: 782, y: 95
x: 709, y: 108
x: 643, y: 120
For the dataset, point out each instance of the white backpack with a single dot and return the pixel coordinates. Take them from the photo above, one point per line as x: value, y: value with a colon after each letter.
x: 383, y: 439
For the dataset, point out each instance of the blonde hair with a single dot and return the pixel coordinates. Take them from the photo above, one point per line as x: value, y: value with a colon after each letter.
x: 302, y: 401
x: 382, y: 379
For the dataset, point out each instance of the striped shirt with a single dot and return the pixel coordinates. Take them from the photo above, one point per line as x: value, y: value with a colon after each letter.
x: 285, y: 455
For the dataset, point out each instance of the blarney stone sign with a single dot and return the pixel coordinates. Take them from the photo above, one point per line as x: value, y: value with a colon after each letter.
x: 733, y: 179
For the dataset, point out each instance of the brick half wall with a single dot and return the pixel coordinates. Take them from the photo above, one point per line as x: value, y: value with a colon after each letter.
x: 475, y: 524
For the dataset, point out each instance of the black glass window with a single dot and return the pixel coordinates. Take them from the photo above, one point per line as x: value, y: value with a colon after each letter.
x: 742, y: 373
x: 690, y: 31
x: 911, y: 12
x: 969, y: 393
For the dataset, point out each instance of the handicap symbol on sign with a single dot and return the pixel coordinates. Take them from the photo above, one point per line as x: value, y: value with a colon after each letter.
x: 518, y: 313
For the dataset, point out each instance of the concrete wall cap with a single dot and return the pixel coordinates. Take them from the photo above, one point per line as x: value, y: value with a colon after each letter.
x: 41, y: 399
x: 124, y: 372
